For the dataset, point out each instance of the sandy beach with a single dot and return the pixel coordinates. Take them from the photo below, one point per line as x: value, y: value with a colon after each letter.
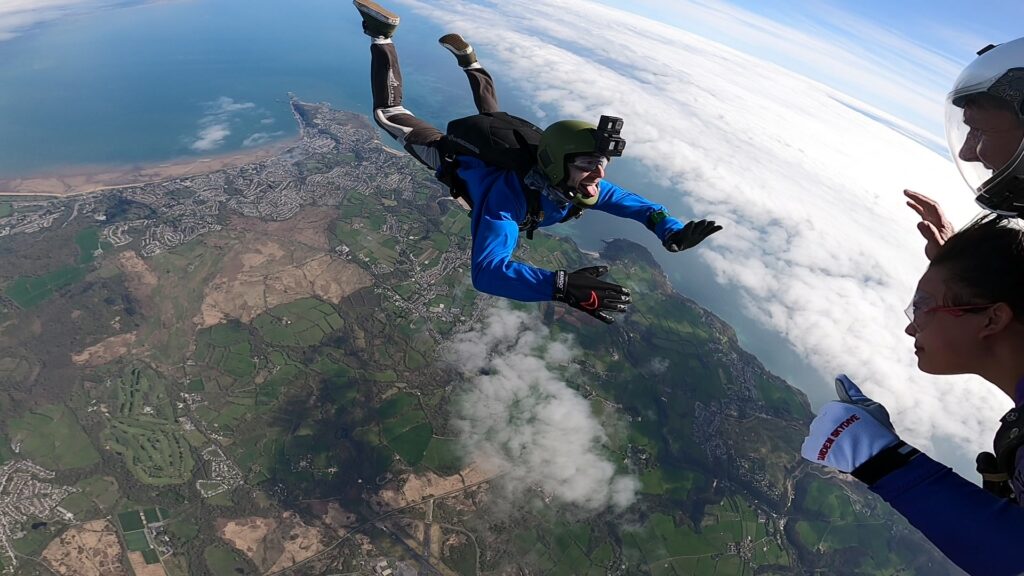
x: 87, y: 181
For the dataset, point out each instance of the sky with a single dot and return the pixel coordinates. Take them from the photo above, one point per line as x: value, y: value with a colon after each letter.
x: 899, y: 56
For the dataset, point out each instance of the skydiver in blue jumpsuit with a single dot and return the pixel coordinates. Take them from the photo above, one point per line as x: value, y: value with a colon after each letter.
x: 570, y: 169
x: 967, y: 317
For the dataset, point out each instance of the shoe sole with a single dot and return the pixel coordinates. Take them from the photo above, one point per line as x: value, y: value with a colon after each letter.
x: 455, y: 44
x: 376, y: 11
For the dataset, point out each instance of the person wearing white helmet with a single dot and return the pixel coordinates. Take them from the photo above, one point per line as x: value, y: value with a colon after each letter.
x: 985, y: 131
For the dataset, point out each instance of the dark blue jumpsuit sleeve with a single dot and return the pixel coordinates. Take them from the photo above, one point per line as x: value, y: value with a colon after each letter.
x: 979, y: 532
x: 625, y: 204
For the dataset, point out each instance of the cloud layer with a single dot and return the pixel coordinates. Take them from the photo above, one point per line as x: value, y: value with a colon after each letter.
x: 17, y: 16
x: 818, y: 246
x: 516, y: 414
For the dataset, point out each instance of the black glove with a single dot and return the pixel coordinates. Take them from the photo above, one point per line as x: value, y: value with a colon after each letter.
x: 690, y: 235
x: 582, y: 290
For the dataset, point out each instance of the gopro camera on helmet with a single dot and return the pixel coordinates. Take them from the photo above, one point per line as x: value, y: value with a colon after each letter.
x: 609, y: 143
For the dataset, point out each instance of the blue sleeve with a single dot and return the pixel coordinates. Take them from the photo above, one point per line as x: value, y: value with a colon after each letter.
x: 979, y: 532
x: 625, y: 204
x: 495, y: 235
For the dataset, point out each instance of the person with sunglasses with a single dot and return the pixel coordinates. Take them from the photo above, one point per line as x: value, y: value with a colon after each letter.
x: 562, y: 178
x: 985, y: 131
x: 966, y: 317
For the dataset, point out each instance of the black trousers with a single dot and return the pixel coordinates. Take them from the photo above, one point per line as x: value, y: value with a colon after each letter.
x: 417, y: 136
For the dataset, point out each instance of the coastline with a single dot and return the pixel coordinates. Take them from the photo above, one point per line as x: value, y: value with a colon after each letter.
x: 80, y: 181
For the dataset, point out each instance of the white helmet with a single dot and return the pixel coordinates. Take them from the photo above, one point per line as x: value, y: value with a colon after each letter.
x: 985, y: 127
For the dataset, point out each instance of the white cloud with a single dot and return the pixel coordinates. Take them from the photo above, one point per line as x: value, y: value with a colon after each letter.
x: 259, y: 138
x: 16, y: 16
x: 818, y: 244
x: 211, y: 137
x: 848, y: 52
x: 215, y: 126
x: 516, y: 414
x: 225, y: 105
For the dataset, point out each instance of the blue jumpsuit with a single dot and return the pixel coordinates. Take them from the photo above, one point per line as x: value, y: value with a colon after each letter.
x: 499, y: 205
x: 979, y: 532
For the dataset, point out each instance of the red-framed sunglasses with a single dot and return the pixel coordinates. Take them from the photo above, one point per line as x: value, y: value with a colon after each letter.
x: 913, y: 312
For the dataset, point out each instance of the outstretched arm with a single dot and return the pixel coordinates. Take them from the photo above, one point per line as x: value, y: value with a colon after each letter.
x: 674, y: 235
x: 978, y: 531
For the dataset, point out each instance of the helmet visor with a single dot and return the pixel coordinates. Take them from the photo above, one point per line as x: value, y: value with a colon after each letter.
x: 985, y: 135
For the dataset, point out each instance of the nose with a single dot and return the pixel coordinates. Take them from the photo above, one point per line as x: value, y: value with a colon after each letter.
x: 599, y: 171
x: 910, y: 330
x: 969, y: 151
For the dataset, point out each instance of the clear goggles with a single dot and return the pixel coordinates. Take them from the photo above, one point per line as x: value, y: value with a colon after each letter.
x: 589, y: 162
x: 985, y: 141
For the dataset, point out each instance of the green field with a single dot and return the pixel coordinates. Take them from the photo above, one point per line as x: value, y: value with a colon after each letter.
x: 144, y: 432
x: 563, y: 549
x: 53, y: 438
x: 33, y: 542
x: 97, y: 495
x: 155, y: 452
x: 142, y: 394
x: 136, y: 541
x: 151, y: 515
x: 302, y: 323
x: 222, y: 560
x: 442, y: 456
x: 412, y: 443
x: 29, y: 292
x: 396, y: 405
x: 226, y: 347
x: 183, y: 530
x: 151, y: 556
x: 130, y: 521
x: 88, y: 242
x: 676, y: 483
x: 404, y: 427
x: 829, y: 501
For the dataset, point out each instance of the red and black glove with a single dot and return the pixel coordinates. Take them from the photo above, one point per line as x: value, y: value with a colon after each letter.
x: 582, y: 290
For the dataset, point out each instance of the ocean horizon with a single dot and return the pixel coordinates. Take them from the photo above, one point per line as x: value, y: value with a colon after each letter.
x: 170, y: 82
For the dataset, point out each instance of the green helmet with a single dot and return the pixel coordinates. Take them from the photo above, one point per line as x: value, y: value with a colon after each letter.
x: 561, y: 140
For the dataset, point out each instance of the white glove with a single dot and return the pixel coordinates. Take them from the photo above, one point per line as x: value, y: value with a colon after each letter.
x: 850, y: 432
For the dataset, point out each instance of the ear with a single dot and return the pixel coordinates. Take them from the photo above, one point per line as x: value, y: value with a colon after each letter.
x: 997, y: 319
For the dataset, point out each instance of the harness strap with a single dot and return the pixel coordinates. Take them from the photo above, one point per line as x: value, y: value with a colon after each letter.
x: 1009, y: 439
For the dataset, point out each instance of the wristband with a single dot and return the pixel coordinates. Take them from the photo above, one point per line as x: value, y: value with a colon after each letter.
x: 655, y: 218
x: 561, y: 279
x: 885, y: 462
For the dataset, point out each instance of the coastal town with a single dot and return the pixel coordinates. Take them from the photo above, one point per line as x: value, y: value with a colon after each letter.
x: 168, y: 214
